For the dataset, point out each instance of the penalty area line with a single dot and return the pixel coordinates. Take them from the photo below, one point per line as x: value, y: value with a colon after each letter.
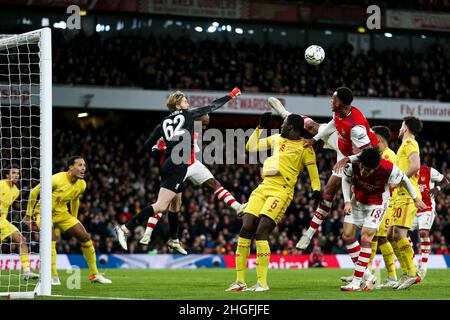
x: 92, y: 297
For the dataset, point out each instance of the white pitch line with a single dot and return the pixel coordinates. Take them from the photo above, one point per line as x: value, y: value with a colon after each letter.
x: 92, y: 297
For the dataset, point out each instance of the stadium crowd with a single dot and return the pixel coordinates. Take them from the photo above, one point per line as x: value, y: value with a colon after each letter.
x: 122, y: 179
x: 167, y: 63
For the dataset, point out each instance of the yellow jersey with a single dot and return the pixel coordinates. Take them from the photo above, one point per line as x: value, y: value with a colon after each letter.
x: 289, y: 158
x: 8, y: 194
x: 64, y: 193
x: 407, y: 147
x: 390, y: 155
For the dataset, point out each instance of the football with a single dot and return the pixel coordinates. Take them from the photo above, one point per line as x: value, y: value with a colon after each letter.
x: 314, y: 54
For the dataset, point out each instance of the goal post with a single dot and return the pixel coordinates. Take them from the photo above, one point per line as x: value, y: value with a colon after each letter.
x: 26, y: 141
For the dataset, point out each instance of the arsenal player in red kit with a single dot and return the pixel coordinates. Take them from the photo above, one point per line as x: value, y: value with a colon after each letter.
x: 370, y: 176
x: 423, y: 220
x: 353, y: 134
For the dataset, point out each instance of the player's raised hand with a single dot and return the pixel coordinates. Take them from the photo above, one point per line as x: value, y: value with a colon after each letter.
x: 340, y: 165
x: 265, y: 119
x: 420, y: 204
x: 276, y: 105
x: 235, y: 92
x: 348, y: 208
x: 308, y: 142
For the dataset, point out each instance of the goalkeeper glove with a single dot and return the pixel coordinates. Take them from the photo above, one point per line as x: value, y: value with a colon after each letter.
x: 265, y: 119
x: 317, y: 197
x: 235, y: 92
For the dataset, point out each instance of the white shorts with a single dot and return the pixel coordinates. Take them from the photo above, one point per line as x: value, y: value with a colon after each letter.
x: 331, y: 142
x: 197, y: 173
x: 423, y: 220
x: 366, y: 216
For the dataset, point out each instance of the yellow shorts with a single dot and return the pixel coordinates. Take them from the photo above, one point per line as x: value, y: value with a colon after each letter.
x: 386, y: 222
x: 270, y: 201
x: 6, y: 229
x: 404, y: 212
x: 64, y: 221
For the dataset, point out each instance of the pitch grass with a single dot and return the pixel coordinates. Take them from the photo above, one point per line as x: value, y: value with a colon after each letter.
x: 208, y: 284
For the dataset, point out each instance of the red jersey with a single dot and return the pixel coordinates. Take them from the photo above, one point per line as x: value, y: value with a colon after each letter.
x: 162, y: 149
x: 427, y: 178
x: 344, y: 127
x: 370, y: 190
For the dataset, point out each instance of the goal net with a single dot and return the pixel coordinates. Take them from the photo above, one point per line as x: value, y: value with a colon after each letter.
x: 25, y: 161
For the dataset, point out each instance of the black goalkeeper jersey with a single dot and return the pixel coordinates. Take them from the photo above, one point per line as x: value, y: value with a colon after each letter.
x: 177, y: 130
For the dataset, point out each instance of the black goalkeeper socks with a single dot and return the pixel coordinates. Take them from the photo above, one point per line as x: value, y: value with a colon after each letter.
x: 173, y: 224
x: 146, y: 213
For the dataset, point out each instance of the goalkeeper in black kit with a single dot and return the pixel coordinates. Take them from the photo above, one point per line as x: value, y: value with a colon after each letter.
x: 175, y: 129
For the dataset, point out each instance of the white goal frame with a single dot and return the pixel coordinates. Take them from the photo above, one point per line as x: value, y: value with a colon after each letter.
x: 43, y: 38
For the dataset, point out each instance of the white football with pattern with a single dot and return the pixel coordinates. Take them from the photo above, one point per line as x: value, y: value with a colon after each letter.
x: 314, y: 54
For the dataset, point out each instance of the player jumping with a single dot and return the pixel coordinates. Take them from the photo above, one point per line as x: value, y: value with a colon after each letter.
x: 177, y: 130
x: 270, y: 199
x: 198, y: 174
x: 347, y: 133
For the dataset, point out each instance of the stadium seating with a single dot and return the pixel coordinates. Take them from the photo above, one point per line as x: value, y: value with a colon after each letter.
x: 156, y: 63
x: 122, y: 179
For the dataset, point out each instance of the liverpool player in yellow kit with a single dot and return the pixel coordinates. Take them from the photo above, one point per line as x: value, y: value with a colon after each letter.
x: 9, y: 192
x: 67, y: 188
x: 270, y: 199
x: 408, y: 160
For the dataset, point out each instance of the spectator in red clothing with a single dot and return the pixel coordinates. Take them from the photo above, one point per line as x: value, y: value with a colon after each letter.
x: 316, y: 257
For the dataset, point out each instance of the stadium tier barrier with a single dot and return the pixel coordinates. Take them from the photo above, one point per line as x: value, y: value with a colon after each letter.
x: 194, y: 261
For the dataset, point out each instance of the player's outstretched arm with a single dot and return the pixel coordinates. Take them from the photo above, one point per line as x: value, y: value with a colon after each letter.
x: 313, y: 173
x: 409, y: 187
x: 154, y: 137
x: 255, y: 144
x: 309, y: 161
x: 347, y: 183
x: 278, y: 107
x: 329, y: 129
x: 216, y: 104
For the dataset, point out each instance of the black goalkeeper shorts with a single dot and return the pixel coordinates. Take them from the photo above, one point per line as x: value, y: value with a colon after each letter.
x: 173, y: 178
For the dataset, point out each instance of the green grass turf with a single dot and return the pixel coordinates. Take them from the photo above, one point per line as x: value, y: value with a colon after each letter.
x: 205, y: 284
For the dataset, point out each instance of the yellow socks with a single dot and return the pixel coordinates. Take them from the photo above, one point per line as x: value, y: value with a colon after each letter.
x: 374, y: 252
x: 262, y: 261
x: 400, y: 257
x: 25, y: 262
x: 242, y: 252
x: 89, y: 254
x: 389, y: 261
x: 408, y: 256
x: 54, y: 271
